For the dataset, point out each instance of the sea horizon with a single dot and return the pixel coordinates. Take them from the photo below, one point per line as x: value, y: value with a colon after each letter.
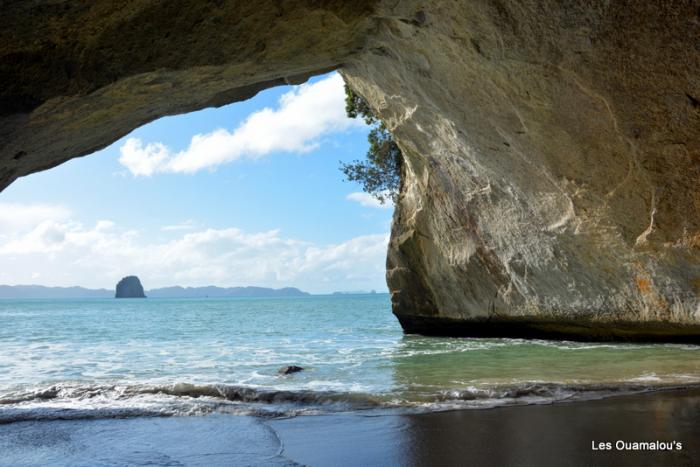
x: 24, y: 291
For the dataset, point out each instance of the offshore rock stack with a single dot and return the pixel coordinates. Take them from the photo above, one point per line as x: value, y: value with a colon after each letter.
x: 129, y: 287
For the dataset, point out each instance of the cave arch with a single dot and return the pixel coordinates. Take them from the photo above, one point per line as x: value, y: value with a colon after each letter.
x: 67, y: 93
x: 553, y: 150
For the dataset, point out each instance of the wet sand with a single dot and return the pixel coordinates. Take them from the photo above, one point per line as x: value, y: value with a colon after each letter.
x: 559, y: 434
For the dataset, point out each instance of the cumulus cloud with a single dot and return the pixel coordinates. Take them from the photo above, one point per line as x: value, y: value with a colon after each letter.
x: 16, y: 217
x: 302, y: 117
x: 143, y: 159
x: 368, y: 201
x: 67, y: 252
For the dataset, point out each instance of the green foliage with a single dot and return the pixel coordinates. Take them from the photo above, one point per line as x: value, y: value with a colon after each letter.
x: 380, y: 173
x: 356, y: 106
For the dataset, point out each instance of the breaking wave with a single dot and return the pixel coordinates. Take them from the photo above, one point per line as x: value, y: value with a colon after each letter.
x: 77, y: 402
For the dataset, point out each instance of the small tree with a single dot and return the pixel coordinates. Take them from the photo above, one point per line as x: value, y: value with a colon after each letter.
x: 380, y: 173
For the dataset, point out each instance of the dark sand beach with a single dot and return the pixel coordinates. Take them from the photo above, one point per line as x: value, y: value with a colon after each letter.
x: 537, y: 435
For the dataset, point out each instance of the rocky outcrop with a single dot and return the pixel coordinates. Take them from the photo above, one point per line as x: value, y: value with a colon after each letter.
x: 552, y: 148
x: 290, y: 369
x: 129, y: 287
x: 553, y: 163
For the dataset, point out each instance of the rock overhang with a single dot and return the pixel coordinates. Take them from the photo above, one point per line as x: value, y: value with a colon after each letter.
x: 553, y: 150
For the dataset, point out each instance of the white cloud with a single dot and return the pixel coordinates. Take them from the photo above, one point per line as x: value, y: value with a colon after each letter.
x: 66, y: 252
x: 143, y: 160
x: 368, y: 201
x: 303, y: 116
x: 187, y: 225
x: 17, y: 217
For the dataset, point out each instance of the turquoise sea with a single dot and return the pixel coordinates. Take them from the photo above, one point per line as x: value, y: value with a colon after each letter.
x: 105, y: 358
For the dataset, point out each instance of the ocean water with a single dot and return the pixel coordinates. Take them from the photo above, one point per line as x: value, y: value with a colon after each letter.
x: 106, y: 358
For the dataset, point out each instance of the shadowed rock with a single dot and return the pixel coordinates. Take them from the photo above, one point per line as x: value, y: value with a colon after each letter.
x: 129, y: 287
x: 288, y: 370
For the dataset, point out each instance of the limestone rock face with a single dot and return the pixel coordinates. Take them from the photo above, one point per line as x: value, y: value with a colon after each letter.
x: 553, y: 166
x: 129, y: 287
x: 552, y: 148
x: 76, y: 76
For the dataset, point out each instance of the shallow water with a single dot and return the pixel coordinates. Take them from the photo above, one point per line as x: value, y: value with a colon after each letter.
x: 115, y: 358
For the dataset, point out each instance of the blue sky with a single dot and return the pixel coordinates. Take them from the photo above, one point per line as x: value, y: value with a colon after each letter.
x: 246, y: 194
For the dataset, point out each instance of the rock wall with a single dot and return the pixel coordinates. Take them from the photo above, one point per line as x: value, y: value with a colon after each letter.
x: 553, y: 166
x: 552, y: 148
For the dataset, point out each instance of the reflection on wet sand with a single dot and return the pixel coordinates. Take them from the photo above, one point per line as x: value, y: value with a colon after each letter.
x: 539, y: 435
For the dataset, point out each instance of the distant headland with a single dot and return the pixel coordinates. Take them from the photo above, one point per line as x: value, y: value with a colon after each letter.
x: 216, y: 292
x: 40, y: 291
x: 354, y: 292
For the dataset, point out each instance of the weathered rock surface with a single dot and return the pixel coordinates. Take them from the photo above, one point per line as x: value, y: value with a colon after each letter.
x: 129, y: 287
x: 553, y: 148
x: 76, y: 76
x: 553, y: 167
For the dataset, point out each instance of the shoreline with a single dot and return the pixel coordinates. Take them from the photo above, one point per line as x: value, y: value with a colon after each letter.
x: 185, y: 399
x: 561, y: 433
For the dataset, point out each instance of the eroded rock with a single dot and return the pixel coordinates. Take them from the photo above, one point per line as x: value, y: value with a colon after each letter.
x: 75, y: 77
x: 553, y: 160
x: 553, y: 149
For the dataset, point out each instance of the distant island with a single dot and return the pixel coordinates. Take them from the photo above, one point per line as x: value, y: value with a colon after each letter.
x: 354, y: 292
x: 216, y: 292
x: 129, y: 287
x: 40, y: 291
